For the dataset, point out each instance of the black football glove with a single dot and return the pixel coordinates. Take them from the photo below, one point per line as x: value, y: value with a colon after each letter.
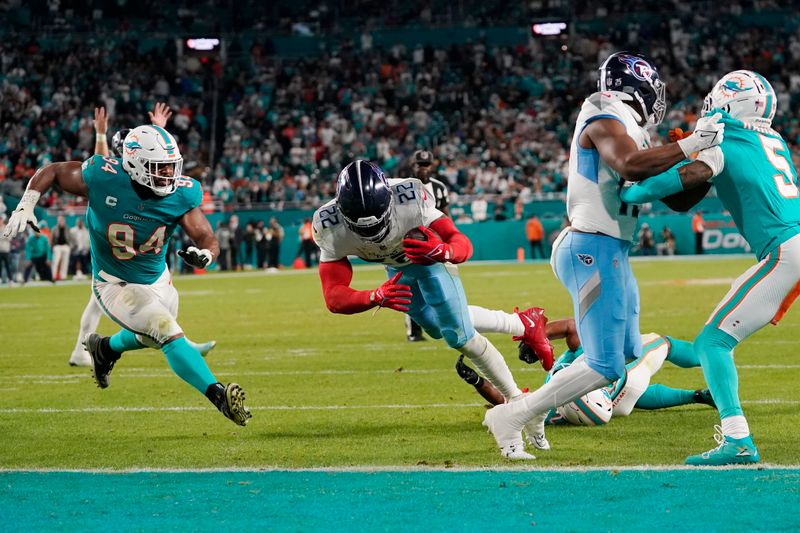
x: 196, y: 257
x: 466, y: 373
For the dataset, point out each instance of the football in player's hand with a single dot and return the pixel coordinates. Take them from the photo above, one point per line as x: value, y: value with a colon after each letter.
x: 416, y: 234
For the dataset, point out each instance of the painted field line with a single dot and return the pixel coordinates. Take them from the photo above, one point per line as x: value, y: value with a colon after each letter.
x: 42, y: 378
x: 518, y: 467
x: 187, y: 408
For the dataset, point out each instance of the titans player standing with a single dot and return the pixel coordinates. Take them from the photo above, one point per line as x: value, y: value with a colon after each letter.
x: 610, y: 146
x: 130, y: 222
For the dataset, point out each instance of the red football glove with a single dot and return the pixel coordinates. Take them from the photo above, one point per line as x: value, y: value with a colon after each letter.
x: 434, y: 250
x: 392, y: 295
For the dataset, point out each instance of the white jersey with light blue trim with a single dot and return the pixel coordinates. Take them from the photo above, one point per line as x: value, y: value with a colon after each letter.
x: 412, y: 206
x: 593, y: 203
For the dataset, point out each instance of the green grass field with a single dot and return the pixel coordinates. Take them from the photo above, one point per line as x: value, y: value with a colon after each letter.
x: 329, y: 390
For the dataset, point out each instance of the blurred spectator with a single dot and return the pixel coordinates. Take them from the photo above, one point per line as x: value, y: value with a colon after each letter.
x: 261, y: 238
x: 534, y: 231
x: 6, y: 272
x: 60, y: 239
x: 667, y: 246
x: 307, y: 245
x: 647, y: 241
x: 224, y: 237
x: 237, y: 238
x: 276, y: 235
x: 698, y: 228
x: 37, y: 254
x: 479, y: 209
x: 79, y: 240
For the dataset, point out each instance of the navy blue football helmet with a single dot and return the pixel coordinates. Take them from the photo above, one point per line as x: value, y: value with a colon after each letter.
x: 364, y: 199
x: 117, y: 139
x: 635, y: 75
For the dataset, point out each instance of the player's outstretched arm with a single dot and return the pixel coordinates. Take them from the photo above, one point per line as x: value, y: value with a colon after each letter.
x: 691, y: 178
x: 340, y: 298
x: 620, y: 152
x: 66, y: 175
x: 564, y: 329
x: 206, y: 248
x: 100, y: 130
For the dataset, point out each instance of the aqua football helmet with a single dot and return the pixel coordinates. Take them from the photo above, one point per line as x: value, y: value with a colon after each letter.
x: 745, y: 95
x: 152, y: 158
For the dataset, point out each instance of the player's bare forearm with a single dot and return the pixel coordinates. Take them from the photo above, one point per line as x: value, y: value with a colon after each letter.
x: 196, y: 226
x: 100, y: 128
x: 694, y: 174
x: 564, y: 329
x: 67, y: 175
x: 620, y: 152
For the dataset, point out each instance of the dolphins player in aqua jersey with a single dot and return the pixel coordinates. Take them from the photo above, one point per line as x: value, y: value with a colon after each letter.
x: 370, y: 218
x: 610, y: 146
x: 90, y: 318
x: 756, y: 181
x: 135, y: 204
x: 632, y: 390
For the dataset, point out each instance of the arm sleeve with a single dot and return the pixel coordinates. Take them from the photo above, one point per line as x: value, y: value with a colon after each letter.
x: 654, y: 188
x: 460, y: 245
x: 339, y: 297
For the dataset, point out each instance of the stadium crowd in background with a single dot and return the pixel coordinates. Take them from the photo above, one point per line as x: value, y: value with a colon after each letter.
x: 498, y: 117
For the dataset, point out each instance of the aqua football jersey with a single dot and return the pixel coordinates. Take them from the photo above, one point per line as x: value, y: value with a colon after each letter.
x: 130, y: 235
x: 758, y: 186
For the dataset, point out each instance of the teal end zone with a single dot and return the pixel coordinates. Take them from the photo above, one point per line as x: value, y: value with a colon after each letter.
x: 601, y: 500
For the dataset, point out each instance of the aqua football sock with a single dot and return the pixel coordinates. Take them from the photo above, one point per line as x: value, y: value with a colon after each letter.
x: 661, y: 397
x: 682, y: 353
x: 714, y: 348
x: 188, y: 364
x: 124, y: 341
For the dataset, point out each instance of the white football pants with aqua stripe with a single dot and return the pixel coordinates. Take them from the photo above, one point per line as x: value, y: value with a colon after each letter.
x: 149, y: 311
x: 760, y: 296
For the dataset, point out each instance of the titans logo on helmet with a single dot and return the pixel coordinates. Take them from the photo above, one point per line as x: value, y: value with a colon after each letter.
x: 640, y: 69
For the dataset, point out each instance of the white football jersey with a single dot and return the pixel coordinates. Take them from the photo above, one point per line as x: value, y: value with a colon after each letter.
x: 593, y: 203
x: 412, y: 206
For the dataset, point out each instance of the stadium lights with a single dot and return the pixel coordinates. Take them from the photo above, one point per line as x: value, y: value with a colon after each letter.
x: 548, y: 28
x: 202, y: 44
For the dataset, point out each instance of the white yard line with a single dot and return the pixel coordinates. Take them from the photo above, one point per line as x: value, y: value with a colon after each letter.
x: 150, y: 374
x: 151, y: 409
x: 517, y: 468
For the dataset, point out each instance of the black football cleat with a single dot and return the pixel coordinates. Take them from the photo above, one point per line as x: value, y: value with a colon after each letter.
x: 103, y: 358
x: 230, y: 402
x: 704, y: 396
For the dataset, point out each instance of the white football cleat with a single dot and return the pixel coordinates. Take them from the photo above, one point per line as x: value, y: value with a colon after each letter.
x: 509, y: 439
x: 80, y: 358
x: 534, y: 433
x: 206, y: 347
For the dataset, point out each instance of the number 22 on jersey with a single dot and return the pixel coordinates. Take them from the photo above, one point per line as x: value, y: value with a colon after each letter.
x: 121, y: 239
x: 785, y: 178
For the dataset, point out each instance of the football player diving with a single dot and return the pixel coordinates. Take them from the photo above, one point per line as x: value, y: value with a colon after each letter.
x: 369, y: 219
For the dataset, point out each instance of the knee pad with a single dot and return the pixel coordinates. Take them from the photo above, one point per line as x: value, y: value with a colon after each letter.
x: 162, y: 326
